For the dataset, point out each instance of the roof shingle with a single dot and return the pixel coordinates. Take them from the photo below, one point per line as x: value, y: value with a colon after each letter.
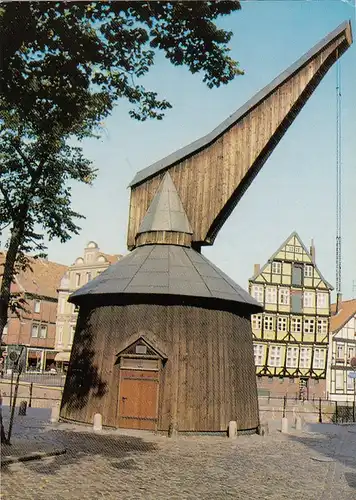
x: 166, y: 269
x: 44, y: 279
x: 346, y: 311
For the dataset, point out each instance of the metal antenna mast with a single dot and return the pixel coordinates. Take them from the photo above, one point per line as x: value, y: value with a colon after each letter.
x: 338, y: 183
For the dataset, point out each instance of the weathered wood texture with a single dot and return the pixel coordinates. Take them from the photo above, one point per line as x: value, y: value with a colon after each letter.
x: 211, y: 181
x: 207, y: 380
x: 164, y: 237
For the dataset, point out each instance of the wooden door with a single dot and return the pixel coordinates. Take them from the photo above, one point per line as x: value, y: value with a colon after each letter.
x: 138, y: 405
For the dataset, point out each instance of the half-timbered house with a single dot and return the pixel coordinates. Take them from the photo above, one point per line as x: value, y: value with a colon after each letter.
x: 291, y: 336
x: 342, y: 349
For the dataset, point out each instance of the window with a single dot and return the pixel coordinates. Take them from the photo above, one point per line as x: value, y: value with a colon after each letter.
x: 275, y: 356
x: 305, y: 357
x: 339, y: 380
x: 309, y: 325
x: 43, y: 332
x: 72, y: 332
x: 256, y: 322
x: 308, y: 271
x: 296, y: 325
x: 319, y: 358
x: 89, y: 257
x: 323, y: 326
x: 350, y: 352
x: 271, y: 295
x: 60, y: 335
x: 282, y: 322
x: 292, y: 357
x: 34, y: 332
x: 268, y: 323
x: 289, y: 248
x: 276, y: 267
x: 339, y: 352
x: 77, y: 279
x: 298, y: 249
x: 322, y: 300
x: 6, y: 329
x: 308, y: 299
x: 257, y: 293
x: 37, y: 306
x: 258, y: 351
x: 350, y: 382
x: 284, y: 296
x: 88, y: 277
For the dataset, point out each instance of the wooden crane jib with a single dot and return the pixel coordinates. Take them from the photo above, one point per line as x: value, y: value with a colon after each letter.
x: 211, y: 174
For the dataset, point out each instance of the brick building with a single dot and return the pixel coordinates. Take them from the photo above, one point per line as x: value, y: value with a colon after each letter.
x: 35, y: 327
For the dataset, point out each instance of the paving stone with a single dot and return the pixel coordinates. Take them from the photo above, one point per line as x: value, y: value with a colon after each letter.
x: 145, y: 466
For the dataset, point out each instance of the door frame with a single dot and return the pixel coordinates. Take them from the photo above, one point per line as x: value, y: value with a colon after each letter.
x: 158, y: 370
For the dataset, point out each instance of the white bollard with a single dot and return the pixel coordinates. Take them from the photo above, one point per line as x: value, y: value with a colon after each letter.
x: 232, y: 430
x: 298, y: 424
x: 284, y: 427
x: 54, y: 414
x: 98, y: 422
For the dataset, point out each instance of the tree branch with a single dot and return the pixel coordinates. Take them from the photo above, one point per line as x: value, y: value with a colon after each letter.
x: 24, y: 157
x: 7, y: 201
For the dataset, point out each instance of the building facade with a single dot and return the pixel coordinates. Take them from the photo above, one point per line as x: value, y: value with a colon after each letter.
x: 33, y: 329
x: 291, y: 336
x: 83, y: 270
x: 342, y: 349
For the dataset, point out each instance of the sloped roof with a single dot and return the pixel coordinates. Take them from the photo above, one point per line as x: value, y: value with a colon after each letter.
x: 168, y: 270
x: 166, y: 212
x: 44, y: 279
x: 346, y: 311
x: 203, y: 142
x: 294, y: 233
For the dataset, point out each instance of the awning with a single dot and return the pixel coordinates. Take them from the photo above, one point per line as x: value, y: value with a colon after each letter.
x: 62, y: 356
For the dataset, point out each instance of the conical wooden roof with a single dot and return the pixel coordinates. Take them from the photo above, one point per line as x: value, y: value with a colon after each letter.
x: 166, y: 270
x: 166, y: 212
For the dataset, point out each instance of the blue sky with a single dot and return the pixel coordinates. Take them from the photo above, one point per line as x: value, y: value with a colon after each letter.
x: 295, y: 189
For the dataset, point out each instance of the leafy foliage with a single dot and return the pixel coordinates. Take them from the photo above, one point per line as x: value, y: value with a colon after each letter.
x: 64, y: 67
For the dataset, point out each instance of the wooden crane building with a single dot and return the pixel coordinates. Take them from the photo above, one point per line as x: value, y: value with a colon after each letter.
x: 163, y: 339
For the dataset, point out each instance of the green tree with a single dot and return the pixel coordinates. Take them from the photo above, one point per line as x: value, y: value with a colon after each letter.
x: 64, y: 67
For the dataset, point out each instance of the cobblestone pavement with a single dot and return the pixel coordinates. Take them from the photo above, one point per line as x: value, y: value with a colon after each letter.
x: 316, y: 465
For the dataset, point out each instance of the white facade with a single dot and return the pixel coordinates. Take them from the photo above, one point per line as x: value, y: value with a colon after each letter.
x: 341, y: 386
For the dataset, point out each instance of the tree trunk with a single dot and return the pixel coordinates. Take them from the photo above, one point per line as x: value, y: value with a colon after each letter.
x: 16, y: 239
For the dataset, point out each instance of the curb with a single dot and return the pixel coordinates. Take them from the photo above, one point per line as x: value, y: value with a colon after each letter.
x: 35, y: 385
x: 32, y: 456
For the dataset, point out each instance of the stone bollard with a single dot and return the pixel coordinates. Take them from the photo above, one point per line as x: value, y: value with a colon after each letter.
x: 23, y: 408
x: 284, y: 428
x: 232, y: 429
x: 263, y: 429
x: 54, y: 414
x: 98, y: 422
x: 298, y: 424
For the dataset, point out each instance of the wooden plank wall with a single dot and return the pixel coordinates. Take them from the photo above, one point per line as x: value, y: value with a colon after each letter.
x: 207, y: 180
x: 208, y: 380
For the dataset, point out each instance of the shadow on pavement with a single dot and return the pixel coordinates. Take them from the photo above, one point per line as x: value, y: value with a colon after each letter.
x: 84, y: 445
x: 332, y: 443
